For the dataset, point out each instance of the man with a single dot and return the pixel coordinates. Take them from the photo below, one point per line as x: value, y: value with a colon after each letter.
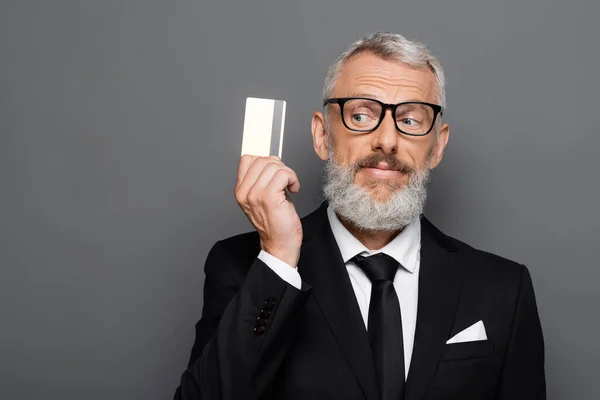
x: 364, y: 298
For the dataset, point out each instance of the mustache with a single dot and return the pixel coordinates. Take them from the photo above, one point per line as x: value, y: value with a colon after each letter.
x: 372, y: 160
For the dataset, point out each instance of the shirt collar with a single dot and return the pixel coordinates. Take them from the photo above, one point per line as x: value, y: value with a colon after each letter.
x: 404, y: 248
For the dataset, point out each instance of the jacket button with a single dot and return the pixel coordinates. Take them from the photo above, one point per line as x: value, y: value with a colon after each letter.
x: 265, y: 313
x: 261, y: 321
x: 259, y: 330
x: 270, y: 302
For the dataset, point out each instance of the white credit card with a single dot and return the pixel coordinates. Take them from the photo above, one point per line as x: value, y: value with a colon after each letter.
x: 263, y: 127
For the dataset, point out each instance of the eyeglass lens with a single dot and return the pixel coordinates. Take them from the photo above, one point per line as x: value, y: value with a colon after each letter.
x: 363, y: 115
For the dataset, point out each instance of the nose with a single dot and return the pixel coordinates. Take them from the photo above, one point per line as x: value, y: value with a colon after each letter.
x: 386, y: 137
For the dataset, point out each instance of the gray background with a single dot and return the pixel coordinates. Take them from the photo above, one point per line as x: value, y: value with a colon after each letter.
x: 120, y: 132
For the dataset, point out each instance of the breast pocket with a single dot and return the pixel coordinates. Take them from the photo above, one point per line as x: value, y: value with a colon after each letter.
x: 468, y: 350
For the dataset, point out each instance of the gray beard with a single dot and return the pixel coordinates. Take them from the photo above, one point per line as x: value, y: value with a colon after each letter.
x: 356, y: 205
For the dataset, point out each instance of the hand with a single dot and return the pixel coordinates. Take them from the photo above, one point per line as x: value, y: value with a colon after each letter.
x: 260, y: 192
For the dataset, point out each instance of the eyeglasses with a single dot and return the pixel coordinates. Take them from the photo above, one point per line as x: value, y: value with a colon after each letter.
x: 361, y: 114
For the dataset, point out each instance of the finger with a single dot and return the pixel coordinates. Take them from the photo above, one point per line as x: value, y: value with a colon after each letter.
x: 294, y: 186
x: 285, y: 178
x: 264, y: 180
x: 253, y: 173
x: 250, y: 165
x: 246, y: 161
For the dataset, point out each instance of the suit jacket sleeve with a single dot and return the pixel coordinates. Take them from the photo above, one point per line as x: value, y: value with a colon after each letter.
x: 523, y: 376
x: 230, y: 359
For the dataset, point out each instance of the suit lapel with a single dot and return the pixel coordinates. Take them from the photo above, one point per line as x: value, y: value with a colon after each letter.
x: 440, y: 282
x: 321, y: 265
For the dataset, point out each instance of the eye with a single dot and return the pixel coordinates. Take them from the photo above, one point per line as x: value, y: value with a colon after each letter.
x: 408, y: 122
x: 360, y: 117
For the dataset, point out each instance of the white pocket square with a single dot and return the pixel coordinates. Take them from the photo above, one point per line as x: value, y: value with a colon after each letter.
x: 471, y: 334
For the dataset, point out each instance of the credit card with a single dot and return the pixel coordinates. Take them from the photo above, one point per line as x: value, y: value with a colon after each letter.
x: 263, y: 127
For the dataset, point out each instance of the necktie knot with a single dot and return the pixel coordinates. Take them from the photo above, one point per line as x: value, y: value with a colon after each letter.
x: 378, y: 267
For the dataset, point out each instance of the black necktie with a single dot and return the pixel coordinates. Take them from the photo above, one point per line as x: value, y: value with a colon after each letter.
x: 385, y: 324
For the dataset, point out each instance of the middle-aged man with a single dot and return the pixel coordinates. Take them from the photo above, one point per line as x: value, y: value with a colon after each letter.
x: 364, y: 298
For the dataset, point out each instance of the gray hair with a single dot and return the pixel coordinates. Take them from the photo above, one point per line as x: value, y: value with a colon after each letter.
x: 355, y: 203
x: 392, y: 47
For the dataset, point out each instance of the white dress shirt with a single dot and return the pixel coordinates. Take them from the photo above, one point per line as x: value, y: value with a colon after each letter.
x: 404, y: 248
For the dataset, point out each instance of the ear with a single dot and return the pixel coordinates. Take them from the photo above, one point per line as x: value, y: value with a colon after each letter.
x: 319, y: 135
x: 440, y: 145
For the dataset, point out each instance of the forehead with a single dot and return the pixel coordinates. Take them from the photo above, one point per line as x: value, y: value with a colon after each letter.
x: 389, y: 81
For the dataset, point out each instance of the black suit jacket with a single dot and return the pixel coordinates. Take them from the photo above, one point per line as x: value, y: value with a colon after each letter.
x: 312, y: 343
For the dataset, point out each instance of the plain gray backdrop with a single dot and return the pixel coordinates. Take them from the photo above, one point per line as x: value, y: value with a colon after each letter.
x: 120, y: 133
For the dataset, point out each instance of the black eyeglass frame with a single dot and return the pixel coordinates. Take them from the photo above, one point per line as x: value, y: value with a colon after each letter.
x: 437, y: 110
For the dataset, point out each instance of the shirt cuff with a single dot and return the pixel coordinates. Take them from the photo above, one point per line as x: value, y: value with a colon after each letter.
x: 284, y: 270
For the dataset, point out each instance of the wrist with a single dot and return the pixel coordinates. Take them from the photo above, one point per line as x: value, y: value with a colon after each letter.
x: 287, y: 254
